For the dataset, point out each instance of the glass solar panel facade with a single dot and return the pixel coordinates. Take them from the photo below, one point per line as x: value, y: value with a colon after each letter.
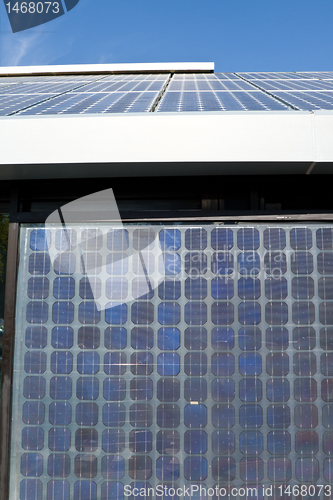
x: 165, y: 92
x: 211, y: 364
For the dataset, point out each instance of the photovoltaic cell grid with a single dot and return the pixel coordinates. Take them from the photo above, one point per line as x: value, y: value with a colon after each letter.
x: 79, y: 94
x: 221, y: 374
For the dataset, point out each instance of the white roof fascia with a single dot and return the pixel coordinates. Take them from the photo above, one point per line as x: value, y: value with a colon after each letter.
x: 290, y: 136
x: 192, y: 67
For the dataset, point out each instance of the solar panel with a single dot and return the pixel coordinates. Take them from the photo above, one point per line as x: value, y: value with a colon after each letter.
x: 13, y: 103
x: 293, y: 85
x: 212, y: 85
x: 99, y: 102
x: 308, y: 100
x: 272, y: 76
x: 217, y: 101
x: 220, y: 373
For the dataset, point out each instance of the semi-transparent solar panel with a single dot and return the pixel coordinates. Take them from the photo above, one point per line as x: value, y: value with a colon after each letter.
x: 308, y: 100
x: 99, y: 102
x: 219, y: 373
x: 218, y: 101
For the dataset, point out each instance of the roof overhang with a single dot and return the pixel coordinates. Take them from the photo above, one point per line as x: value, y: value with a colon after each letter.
x: 104, y: 145
x: 79, y: 69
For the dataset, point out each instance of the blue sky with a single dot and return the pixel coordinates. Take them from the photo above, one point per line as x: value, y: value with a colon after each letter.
x: 238, y: 35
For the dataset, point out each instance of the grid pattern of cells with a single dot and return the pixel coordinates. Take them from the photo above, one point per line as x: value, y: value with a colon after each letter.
x: 165, y: 92
x: 218, y: 101
x: 210, y: 364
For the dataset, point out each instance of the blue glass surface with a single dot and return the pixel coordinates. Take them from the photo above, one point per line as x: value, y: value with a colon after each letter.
x: 306, y: 416
x: 35, y: 362
x: 250, y: 390
x: 168, y: 442
x: 195, y: 468
x: 38, y: 287
x: 248, y: 263
x: 117, y: 263
x: 88, y: 337
x: 65, y: 263
x: 116, y: 313
x: 223, y: 469
x: 168, y: 313
x: 249, y: 313
x: 248, y: 239
x: 139, y: 441
x: 114, y: 389
x: 88, y: 363
x: 142, y: 338
x: 31, y: 489
x: 141, y: 389
x: 31, y: 465
x: 223, y: 416
x: 61, y: 362
x: 223, y: 364
x: 195, y: 263
x: 278, y: 416
x: 62, y: 337
x: 167, y: 468
x: 223, y: 389
x: 59, y: 439
x: 87, y: 414
x: 223, y: 313
x: 222, y: 263
x: 170, y: 239
x: 276, y: 288
x: 250, y: 416
x: 33, y: 413
x: 141, y: 415
x: 37, y: 312
x: 250, y: 364
x: 114, y: 363
x: 195, y: 442
x: 40, y: 240
x: 274, y: 238
x: 39, y: 263
x: 36, y: 337
x: 195, y: 389
x: 34, y: 387
x: 301, y: 238
x: 60, y: 413
x: 169, y: 289
x: 113, y: 467
x: 223, y: 442
x: 223, y: 339
x: 141, y: 363
x: 249, y: 288
x: 64, y: 288
x: 58, y: 489
x: 251, y: 442
x: 61, y: 387
x: 117, y: 239
x: 279, y: 469
x: 278, y: 390
x: 32, y: 438
x: 279, y: 442
x: 115, y: 338
x: 222, y: 238
x: 195, y: 289
x: 114, y: 414
x: 195, y: 338
x: 116, y: 288
x: 249, y: 338
x: 222, y: 288
x: 195, y: 363
x: 85, y: 490
x: 58, y: 465
x: 63, y: 312
x: 168, y: 364
x: 195, y: 416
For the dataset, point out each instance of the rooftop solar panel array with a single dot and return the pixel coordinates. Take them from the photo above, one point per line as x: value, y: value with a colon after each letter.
x: 126, y: 93
x: 219, y: 373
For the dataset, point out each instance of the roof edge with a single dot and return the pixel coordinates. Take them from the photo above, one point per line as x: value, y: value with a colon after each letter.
x: 178, y: 67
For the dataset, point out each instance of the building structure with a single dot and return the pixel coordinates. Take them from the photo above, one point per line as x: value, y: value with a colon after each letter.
x: 219, y: 373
